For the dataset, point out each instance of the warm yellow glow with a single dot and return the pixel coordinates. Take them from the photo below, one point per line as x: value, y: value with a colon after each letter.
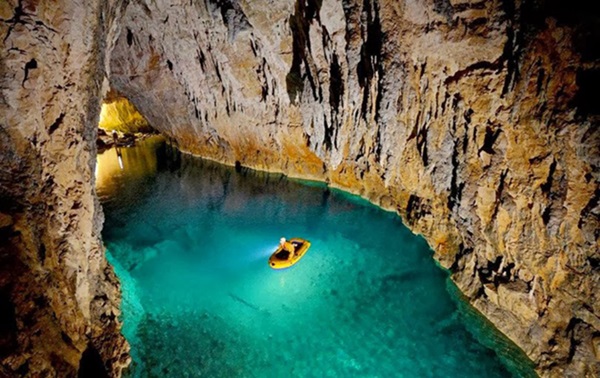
x: 135, y: 161
x: 120, y: 115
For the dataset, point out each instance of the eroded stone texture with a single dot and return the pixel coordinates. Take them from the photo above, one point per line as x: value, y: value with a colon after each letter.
x: 475, y: 120
x: 58, y: 296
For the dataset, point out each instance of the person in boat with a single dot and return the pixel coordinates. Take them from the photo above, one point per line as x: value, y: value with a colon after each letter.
x: 287, y: 246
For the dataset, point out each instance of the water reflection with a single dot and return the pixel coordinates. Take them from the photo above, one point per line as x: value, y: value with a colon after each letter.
x: 223, y: 189
x: 119, y: 167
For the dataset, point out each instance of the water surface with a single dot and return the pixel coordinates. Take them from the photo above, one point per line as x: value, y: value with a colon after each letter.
x: 190, y: 240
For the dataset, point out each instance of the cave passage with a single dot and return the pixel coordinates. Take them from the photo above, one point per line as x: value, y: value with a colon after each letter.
x: 189, y: 240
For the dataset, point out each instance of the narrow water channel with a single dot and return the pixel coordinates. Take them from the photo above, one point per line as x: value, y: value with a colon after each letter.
x: 190, y: 239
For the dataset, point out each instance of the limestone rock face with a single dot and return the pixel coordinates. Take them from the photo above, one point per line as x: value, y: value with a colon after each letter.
x: 59, y: 298
x: 475, y: 120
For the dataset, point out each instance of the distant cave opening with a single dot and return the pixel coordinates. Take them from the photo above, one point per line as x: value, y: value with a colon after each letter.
x: 120, y: 123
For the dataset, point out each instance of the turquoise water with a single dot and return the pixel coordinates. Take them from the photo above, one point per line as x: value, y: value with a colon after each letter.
x: 190, y: 240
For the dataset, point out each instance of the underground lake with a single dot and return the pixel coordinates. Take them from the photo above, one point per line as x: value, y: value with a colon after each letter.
x: 190, y: 239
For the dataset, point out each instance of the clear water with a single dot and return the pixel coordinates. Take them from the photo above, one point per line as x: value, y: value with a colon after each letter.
x: 190, y: 240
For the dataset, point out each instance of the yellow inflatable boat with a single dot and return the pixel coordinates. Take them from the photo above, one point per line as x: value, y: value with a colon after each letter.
x: 280, y: 259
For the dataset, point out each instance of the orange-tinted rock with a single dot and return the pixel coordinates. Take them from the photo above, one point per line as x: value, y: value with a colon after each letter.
x: 473, y: 119
x: 476, y: 120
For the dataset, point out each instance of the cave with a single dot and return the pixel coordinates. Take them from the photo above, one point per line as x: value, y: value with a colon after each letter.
x: 474, y: 122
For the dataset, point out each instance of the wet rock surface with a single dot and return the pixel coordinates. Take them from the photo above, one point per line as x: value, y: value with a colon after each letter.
x: 475, y: 120
x: 107, y: 140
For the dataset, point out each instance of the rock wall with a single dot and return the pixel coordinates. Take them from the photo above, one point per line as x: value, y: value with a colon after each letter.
x: 476, y: 120
x: 58, y: 296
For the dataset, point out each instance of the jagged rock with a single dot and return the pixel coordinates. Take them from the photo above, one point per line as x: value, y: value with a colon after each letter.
x: 53, y: 273
x: 475, y: 120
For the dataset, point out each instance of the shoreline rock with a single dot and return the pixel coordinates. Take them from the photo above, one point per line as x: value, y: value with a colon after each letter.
x: 476, y: 121
x: 472, y: 120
